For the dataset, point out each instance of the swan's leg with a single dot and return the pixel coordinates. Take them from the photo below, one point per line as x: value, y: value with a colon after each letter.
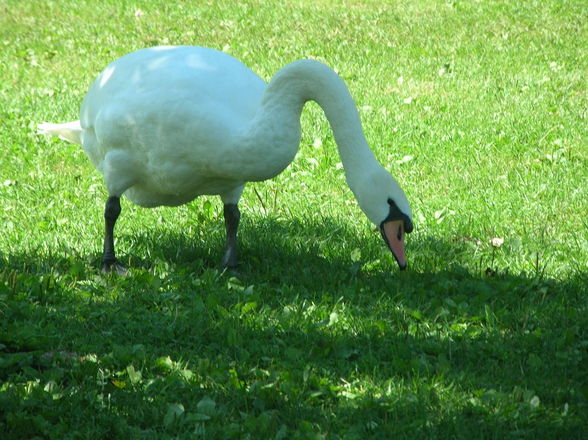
x: 232, y: 216
x: 109, y: 261
x: 119, y: 170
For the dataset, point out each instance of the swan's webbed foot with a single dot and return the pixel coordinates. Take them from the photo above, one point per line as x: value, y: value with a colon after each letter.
x: 114, y: 267
x: 229, y: 261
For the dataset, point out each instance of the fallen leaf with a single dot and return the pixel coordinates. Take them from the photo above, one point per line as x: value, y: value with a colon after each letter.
x: 496, y: 242
x: 120, y: 384
x: 405, y: 159
x: 439, y: 213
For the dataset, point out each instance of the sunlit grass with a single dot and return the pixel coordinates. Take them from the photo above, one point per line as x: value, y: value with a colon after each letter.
x: 478, y: 109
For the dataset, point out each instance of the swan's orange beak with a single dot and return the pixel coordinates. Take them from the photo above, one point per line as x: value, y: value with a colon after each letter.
x: 393, y: 234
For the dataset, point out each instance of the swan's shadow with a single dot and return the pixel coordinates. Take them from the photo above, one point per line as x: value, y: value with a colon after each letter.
x: 314, y: 270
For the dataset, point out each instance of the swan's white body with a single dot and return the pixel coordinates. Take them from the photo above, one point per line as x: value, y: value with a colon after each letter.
x: 167, y: 124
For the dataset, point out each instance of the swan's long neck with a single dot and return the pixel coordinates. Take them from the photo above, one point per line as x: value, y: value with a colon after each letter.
x: 276, y: 126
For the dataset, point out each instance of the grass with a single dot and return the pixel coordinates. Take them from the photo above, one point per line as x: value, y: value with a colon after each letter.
x: 479, y: 110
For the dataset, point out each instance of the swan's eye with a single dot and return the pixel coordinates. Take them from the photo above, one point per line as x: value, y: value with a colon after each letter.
x: 396, y: 214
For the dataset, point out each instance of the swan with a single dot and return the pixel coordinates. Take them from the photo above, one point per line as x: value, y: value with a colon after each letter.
x: 165, y: 125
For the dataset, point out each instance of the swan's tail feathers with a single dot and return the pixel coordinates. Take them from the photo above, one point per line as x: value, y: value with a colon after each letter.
x: 70, y: 131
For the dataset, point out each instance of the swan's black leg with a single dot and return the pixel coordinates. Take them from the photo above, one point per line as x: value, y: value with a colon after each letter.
x: 109, y: 261
x: 232, y: 216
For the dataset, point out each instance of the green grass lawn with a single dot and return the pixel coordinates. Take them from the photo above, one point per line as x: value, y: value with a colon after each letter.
x: 479, y: 109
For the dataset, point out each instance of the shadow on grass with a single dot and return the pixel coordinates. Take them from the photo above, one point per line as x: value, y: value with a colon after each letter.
x: 303, y: 333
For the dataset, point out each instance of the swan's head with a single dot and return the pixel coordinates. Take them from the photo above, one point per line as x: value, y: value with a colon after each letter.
x: 385, y: 204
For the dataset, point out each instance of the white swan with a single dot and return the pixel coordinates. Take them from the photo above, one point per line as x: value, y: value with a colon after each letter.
x: 167, y: 124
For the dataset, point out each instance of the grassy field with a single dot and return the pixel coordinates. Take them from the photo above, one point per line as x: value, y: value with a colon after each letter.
x: 479, y: 109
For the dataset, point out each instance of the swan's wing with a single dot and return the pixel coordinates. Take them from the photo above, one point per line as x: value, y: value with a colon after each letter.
x: 174, y: 111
